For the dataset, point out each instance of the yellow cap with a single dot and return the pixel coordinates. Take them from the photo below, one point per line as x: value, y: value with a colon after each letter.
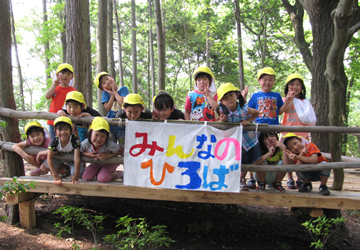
x: 224, y: 88
x: 204, y: 69
x: 288, y: 135
x: 97, y: 78
x: 63, y: 119
x: 76, y: 96
x: 294, y: 76
x: 65, y: 66
x: 32, y: 124
x: 267, y: 71
x: 100, y: 123
x: 133, y: 99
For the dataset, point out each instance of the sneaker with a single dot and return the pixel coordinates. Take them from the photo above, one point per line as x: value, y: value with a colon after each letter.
x: 261, y: 186
x: 37, y: 172
x: 324, y: 190
x: 63, y: 171
x: 291, y: 184
x: 299, y: 183
x: 277, y: 187
x: 306, y: 187
x: 243, y: 186
x: 251, y: 183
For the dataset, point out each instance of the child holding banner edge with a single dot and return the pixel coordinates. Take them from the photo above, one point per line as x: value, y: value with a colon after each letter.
x: 232, y: 108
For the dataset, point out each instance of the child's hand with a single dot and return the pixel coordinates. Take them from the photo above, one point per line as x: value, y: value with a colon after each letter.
x: 271, y: 150
x: 280, y: 145
x: 102, y: 156
x: 57, y: 181
x: 222, y: 117
x: 245, y: 122
x: 58, y: 79
x: 206, y: 93
x: 75, y: 180
x: 82, y: 114
x: 305, y: 150
x: 154, y: 116
x: 31, y: 160
x: 61, y: 113
x: 290, y: 96
x: 245, y: 92
x: 291, y: 155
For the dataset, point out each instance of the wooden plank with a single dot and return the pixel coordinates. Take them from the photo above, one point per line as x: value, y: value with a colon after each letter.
x: 337, y: 200
x: 27, y: 214
x: 16, y: 199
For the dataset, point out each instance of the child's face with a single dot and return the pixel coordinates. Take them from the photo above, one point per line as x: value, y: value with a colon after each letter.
x: 73, y: 109
x: 203, y: 83
x: 295, y: 146
x: 98, y: 138
x: 267, y: 83
x: 107, y: 82
x: 36, y: 138
x: 164, y: 113
x: 65, y: 77
x: 63, y: 134
x: 230, y: 100
x: 295, y: 86
x: 133, y: 112
x: 270, y: 141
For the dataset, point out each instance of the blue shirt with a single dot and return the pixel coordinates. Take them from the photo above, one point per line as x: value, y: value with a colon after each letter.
x: 268, y: 105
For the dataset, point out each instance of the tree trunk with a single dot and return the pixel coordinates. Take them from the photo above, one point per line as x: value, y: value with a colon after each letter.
x: 13, y: 163
x: 161, y: 46
x: 47, y: 46
x: 240, y: 52
x: 101, y: 48
x: 110, y: 39
x: 63, y: 35
x: 21, y: 87
x: 77, y: 40
x: 121, y: 70
x: 133, y: 42
x: 346, y: 116
x: 151, y: 44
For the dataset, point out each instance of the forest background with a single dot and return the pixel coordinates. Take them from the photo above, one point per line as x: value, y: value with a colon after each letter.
x: 152, y: 45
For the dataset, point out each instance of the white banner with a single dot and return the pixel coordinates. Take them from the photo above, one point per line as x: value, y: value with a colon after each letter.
x: 181, y: 156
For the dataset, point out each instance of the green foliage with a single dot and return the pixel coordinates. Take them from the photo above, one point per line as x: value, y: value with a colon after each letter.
x: 3, y: 218
x: 79, y: 216
x: 321, y: 229
x: 15, y: 187
x: 3, y: 124
x: 136, y: 234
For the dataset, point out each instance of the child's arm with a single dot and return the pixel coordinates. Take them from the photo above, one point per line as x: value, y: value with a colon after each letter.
x: 114, y: 96
x: 221, y: 117
x: 210, y: 99
x: 104, y: 156
x: 77, y: 161
x: 61, y: 112
x: 288, y: 102
x: 253, y: 115
x: 244, y: 93
x: 51, y: 90
x: 82, y: 114
x: 265, y: 156
x: 187, y: 114
x: 18, y: 148
x: 41, y: 153
x: 57, y: 178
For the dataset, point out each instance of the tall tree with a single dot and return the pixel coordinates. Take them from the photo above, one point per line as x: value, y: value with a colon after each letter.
x: 77, y: 41
x: 161, y: 46
x: 110, y: 38
x: 47, y: 45
x: 134, y: 52
x: 151, y: 52
x: 121, y: 70
x: 13, y: 163
x: 239, y: 38
x: 101, y: 48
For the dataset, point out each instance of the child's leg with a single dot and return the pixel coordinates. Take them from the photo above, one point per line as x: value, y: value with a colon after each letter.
x: 323, y: 179
x: 105, y: 174
x: 51, y: 131
x: 91, y: 172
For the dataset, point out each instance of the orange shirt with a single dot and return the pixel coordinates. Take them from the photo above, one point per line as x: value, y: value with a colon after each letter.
x: 313, y: 149
x: 58, y: 100
x: 292, y: 119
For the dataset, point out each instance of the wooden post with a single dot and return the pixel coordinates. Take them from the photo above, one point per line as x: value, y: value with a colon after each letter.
x: 27, y: 213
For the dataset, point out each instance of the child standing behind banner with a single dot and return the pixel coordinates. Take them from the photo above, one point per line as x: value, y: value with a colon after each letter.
x: 234, y: 109
x: 164, y: 107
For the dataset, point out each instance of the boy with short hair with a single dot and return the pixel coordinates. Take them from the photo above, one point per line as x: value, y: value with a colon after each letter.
x: 134, y: 109
x: 76, y: 107
x: 112, y: 98
x: 57, y: 92
x: 302, y: 152
x: 64, y: 142
x: 164, y: 107
x: 201, y: 103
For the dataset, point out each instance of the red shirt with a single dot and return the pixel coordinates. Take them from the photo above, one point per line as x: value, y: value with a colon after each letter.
x: 313, y: 149
x: 58, y: 99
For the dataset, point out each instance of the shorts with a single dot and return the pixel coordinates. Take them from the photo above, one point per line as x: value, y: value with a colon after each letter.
x: 83, y: 132
x: 270, y: 176
x: 71, y: 164
x: 117, y: 135
x: 251, y: 156
x: 313, y: 175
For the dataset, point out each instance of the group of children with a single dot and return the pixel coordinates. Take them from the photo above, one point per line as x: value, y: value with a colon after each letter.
x: 205, y: 103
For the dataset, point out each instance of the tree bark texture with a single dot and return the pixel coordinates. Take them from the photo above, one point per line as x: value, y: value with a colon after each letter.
x: 240, y: 52
x: 13, y: 163
x: 47, y: 46
x: 110, y: 39
x: 133, y: 45
x: 151, y: 42
x: 77, y: 36
x: 101, y: 48
x: 341, y: 16
x: 161, y: 46
x: 121, y: 70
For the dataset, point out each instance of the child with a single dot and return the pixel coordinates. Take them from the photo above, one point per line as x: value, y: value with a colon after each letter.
x: 301, y: 113
x: 272, y: 151
x: 307, y: 154
x: 268, y: 103
x: 112, y: 98
x: 57, y: 92
x: 233, y: 108
x: 201, y: 103
x: 98, y: 146
x: 76, y: 107
x: 64, y: 142
x: 36, y: 136
x: 134, y: 109
x: 164, y: 107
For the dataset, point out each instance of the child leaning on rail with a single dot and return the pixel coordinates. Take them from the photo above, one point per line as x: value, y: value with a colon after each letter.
x: 232, y: 108
x: 64, y: 142
x: 303, y: 152
x: 36, y: 136
x: 164, y: 107
x: 99, y: 147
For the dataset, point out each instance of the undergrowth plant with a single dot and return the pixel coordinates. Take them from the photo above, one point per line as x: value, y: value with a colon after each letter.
x: 136, y: 234
x: 321, y: 228
x: 15, y: 187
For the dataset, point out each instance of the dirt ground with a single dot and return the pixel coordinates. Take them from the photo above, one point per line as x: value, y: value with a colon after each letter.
x: 191, y: 225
